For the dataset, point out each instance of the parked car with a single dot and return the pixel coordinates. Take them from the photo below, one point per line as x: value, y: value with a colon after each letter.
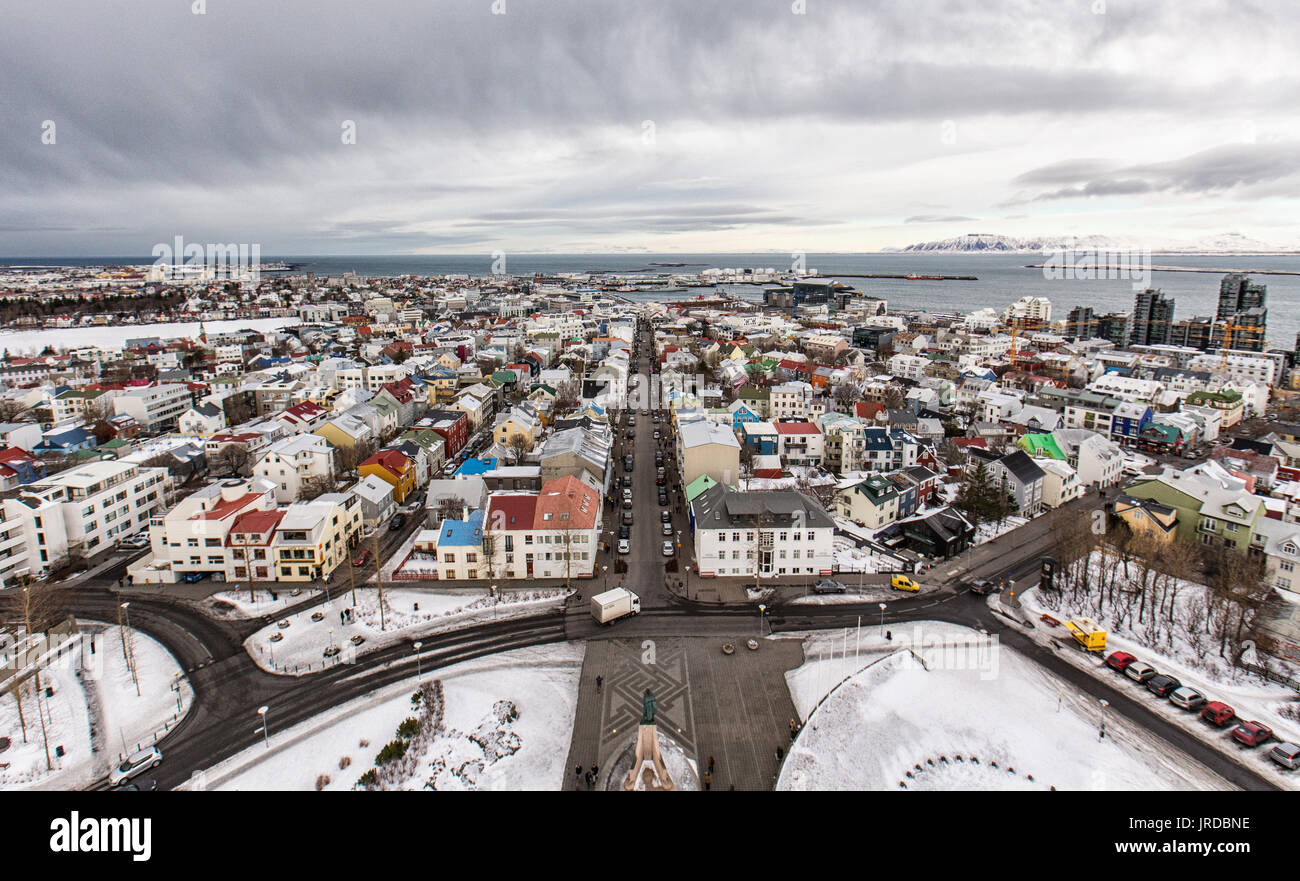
x: 902, y: 582
x: 1286, y: 754
x: 624, y: 546
x: 656, y: 434
x: 134, y: 764
x: 625, y: 532
x: 362, y: 558
x: 1140, y: 671
x: 398, y: 521
x: 1163, y: 684
x: 193, y: 577
x: 667, y: 529
x: 982, y: 586
x: 1252, y: 733
x: 1187, y: 698
x: 828, y: 585
x: 665, y: 516
x: 663, y: 496
x: 627, y: 517
x: 668, y: 549
x: 1218, y: 714
x: 1119, y: 661
x: 627, y: 463
x: 133, y: 542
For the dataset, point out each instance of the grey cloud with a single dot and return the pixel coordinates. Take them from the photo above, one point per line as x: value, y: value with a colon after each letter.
x: 1213, y: 170
x: 939, y: 218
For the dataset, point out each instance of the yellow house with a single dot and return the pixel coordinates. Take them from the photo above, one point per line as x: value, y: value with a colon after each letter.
x: 344, y: 432
x: 314, y: 538
x: 520, y: 423
x: 1148, y: 518
x: 394, y: 468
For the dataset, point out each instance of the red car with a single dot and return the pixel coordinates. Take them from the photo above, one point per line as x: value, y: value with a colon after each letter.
x: 1218, y: 714
x: 1252, y: 733
x: 362, y: 558
x: 1119, y: 661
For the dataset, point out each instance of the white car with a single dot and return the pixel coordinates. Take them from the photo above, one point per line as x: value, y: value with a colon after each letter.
x: 623, y: 546
x: 668, y: 549
x: 136, y: 763
x: 668, y: 529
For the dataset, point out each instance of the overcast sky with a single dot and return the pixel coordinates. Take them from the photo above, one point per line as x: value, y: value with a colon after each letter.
x: 660, y: 125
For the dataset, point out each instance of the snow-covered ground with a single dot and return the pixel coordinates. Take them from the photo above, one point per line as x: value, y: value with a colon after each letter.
x: 408, y: 612
x: 476, y: 746
x: 393, y: 563
x: 986, y: 532
x: 115, y: 336
x: 979, y: 718
x: 93, y: 693
x: 1250, y: 697
x: 238, y: 604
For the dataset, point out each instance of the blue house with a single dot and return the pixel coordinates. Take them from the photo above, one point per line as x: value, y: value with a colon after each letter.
x: 1129, y: 421
x: 741, y: 414
x: 761, y: 437
x: 70, y: 440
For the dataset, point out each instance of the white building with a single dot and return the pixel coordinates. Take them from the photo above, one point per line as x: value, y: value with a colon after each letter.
x: 290, y: 462
x: 767, y: 533
x: 83, y: 510
x: 154, y: 407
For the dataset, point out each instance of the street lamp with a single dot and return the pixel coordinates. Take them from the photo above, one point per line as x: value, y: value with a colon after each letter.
x: 1101, y: 732
x: 266, y: 735
x: 605, y: 574
x: 882, y: 619
x: 761, y: 609
x: 416, y: 646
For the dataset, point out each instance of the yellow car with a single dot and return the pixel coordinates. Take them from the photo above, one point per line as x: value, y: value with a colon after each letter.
x: 902, y: 582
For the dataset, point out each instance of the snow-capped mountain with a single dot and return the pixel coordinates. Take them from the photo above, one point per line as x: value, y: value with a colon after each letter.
x: 1222, y: 243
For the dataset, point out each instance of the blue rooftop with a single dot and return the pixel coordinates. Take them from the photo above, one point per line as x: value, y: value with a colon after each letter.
x: 462, y: 533
x: 476, y: 466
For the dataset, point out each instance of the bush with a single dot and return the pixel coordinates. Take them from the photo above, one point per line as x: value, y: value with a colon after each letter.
x: 368, y: 779
x: 391, y: 752
x: 416, y: 699
x: 409, y: 728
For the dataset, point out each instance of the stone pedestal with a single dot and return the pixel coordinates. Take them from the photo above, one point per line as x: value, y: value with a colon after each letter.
x: 648, y: 771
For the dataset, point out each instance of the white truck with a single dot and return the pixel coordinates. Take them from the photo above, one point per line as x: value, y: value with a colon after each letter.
x: 613, y: 604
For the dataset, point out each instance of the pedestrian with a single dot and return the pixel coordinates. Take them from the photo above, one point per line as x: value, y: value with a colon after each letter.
x: 342, y: 617
x: 710, y: 764
x: 889, y: 635
x: 708, y: 781
x: 780, y: 753
x: 599, y: 681
x: 577, y: 773
x: 595, y: 771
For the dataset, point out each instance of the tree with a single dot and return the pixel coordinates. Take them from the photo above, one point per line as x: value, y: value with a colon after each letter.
x: 978, y: 497
x: 315, y: 486
x: 230, y: 459
x: 518, y: 444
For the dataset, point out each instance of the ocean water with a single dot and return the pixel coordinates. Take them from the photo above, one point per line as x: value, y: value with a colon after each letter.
x: 1002, y: 278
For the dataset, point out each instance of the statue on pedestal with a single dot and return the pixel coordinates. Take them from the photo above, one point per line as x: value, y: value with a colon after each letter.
x: 648, y: 766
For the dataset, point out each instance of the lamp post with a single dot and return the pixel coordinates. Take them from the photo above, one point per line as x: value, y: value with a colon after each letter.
x: 1101, y: 732
x: 416, y: 646
x: 761, y: 609
x: 882, y: 619
x: 130, y: 656
x: 266, y: 735
x: 605, y: 574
